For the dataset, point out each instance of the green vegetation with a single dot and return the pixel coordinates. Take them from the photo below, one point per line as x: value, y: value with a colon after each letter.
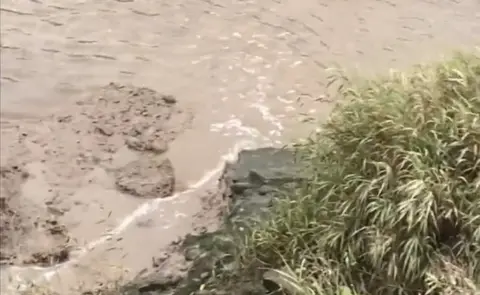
x: 392, y: 203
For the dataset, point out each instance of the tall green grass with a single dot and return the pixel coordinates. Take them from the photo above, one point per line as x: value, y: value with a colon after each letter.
x: 392, y: 204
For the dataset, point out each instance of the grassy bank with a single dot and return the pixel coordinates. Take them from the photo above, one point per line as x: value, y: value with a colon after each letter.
x: 392, y: 204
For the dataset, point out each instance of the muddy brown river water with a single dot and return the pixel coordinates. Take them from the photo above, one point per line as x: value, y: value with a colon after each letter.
x: 236, y: 70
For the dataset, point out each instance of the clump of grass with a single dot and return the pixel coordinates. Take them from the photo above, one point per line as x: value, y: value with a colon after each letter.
x: 392, y: 205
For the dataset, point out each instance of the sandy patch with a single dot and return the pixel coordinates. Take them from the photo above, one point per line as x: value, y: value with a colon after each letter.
x: 65, y: 177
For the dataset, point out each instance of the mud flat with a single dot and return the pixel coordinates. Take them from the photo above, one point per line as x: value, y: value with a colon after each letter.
x: 27, y: 238
x: 66, y: 177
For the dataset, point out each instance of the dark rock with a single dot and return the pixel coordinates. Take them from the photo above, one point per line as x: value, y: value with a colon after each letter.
x: 153, y: 284
x: 257, y: 179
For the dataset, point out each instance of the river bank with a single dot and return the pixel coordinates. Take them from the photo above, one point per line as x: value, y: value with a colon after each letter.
x: 241, y: 72
x: 376, y: 189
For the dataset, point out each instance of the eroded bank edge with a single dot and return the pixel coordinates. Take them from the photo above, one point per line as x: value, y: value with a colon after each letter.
x: 20, y: 284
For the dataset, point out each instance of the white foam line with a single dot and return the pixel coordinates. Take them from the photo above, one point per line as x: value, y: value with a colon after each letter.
x: 268, y: 116
x: 142, y: 210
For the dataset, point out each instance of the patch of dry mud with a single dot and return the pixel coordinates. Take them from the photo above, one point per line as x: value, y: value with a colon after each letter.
x: 148, y: 176
x: 115, y: 139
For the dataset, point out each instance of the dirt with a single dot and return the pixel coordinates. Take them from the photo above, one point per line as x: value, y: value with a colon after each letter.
x: 27, y: 237
x: 147, y: 177
x: 60, y: 153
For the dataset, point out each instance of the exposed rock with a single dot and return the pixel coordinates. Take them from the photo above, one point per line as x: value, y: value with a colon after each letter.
x: 152, y: 284
x: 256, y: 179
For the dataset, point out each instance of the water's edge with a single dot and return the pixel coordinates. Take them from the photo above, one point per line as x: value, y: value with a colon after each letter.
x: 251, y: 185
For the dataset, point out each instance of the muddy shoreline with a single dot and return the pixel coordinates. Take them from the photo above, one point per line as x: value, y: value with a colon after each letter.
x: 114, y: 141
x: 246, y: 189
